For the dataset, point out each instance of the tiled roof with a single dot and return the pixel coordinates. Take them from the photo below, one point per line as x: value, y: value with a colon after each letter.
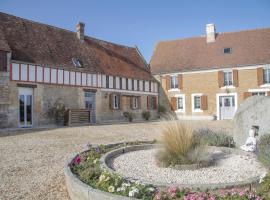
x: 47, y: 45
x: 248, y: 48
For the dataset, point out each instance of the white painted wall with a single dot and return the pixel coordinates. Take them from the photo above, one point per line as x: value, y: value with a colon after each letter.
x: 147, y: 86
x: 39, y: 74
x: 23, y: 72
x: 89, y: 80
x: 110, y: 81
x: 60, y: 76
x: 94, y: 80
x: 104, y: 81
x: 53, y: 76
x: 32, y: 73
x: 78, y: 78
x: 141, y: 85
x: 66, y: 77
x: 15, y: 71
x: 72, y: 78
x: 129, y: 84
x: 117, y: 82
x: 99, y: 80
x: 46, y: 75
x: 84, y: 79
x: 135, y: 85
x: 124, y: 83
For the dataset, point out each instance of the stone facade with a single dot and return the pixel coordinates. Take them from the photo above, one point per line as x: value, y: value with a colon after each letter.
x: 206, y: 82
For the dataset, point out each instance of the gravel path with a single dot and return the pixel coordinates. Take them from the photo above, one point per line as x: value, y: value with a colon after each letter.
x: 31, y: 163
x: 141, y: 165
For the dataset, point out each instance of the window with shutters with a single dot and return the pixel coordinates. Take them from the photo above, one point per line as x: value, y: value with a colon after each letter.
x: 120, y: 83
x: 228, y: 80
x: 180, y: 103
x: 266, y: 75
x: 174, y: 82
x: 196, y: 102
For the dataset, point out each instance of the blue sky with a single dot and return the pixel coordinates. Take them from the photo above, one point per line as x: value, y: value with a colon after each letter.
x: 144, y: 22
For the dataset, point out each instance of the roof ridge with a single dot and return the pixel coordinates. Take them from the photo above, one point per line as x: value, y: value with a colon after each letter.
x: 218, y: 33
x: 63, y: 29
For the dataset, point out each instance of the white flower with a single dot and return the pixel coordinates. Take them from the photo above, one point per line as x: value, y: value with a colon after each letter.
x: 262, y: 177
x: 125, y: 184
x: 150, y: 189
x: 111, y: 189
x: 133, y: 192
x: 120, y: 189
x: 95, y: 161
x: 102, y: 177
x: 137, y: 182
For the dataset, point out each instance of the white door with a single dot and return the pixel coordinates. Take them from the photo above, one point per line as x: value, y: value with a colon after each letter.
x: 25, y: 107
x: 227, y: 107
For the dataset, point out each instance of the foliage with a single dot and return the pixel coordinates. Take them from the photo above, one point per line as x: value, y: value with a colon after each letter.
x: 181, y: 146
x: 175, y: 193
x: 129, y: 116
x: 57, y: 111
x: 264, y: 150
x: 161, y: 109
x: 264, y: 188
x: 86, y: 167
x: 146, y: 115
x: 215, y: 138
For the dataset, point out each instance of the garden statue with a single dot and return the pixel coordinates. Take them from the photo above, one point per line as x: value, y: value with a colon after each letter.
x: 251, y: 142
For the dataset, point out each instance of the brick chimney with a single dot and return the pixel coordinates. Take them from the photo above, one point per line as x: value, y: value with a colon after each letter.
x: 210, y: 33
x: 80, y: 31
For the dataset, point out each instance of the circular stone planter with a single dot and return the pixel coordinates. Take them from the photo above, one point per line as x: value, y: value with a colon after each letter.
x: 107, y: 160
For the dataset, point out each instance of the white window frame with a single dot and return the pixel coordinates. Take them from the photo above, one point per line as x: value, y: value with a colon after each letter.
x: 115, y: 101
x: 265, y: 90
x: 225, y: 72
x: 184, y: 103
x: 174, y: 82
x: 193, y: 102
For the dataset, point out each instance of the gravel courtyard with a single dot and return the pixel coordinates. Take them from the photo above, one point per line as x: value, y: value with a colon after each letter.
x: 31, y: 164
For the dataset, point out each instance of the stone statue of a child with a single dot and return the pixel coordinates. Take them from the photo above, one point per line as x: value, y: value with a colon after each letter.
x: 251, y: 142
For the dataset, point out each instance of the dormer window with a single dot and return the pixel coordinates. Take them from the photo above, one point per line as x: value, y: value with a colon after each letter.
x: 227, y: 50
x: 76, y: 62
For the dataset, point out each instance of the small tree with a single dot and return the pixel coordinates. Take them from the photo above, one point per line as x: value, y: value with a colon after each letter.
x: 146, y: 115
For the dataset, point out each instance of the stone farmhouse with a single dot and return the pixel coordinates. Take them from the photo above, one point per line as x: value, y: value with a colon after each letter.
x: 43, y: 68
x: 208, y: 77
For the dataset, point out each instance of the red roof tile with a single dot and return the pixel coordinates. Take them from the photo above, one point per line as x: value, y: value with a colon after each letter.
x: 248, y: 48
x: 47, y: 45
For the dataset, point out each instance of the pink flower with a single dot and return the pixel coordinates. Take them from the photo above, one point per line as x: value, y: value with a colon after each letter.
x: 242, y: 193
x: 158, y: 196
x: 172, y: 191
x: 77, y: 160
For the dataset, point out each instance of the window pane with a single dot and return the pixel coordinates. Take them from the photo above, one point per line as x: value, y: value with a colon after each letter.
x: 227, y: 78
x: 174, y: 82
x: 29, y: 109
x: 21, y: 109
x: 266, y: 75
x: 180, y: 103
x: 197, y: 102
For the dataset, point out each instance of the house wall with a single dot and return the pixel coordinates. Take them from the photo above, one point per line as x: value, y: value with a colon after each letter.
x: 44, y: 96
x: 206, y: 82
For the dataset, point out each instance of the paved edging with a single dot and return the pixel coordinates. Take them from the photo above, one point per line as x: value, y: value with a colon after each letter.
x: 78, y: 190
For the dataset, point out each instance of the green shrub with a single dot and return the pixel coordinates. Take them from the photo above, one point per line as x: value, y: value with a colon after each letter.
x: 264, y: 187
x: 161, y: 109
x: 129, y: 116
x: 215, y: 138
x: 146, y: 115
x: 181, y: 146
x: 264, y: 150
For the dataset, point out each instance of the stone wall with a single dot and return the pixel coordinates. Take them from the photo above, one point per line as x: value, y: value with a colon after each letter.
x: 45, y: 96
x: 4, y: 99
x: 253, y: 111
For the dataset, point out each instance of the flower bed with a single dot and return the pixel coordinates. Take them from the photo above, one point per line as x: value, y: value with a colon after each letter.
x: 100, y: 184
